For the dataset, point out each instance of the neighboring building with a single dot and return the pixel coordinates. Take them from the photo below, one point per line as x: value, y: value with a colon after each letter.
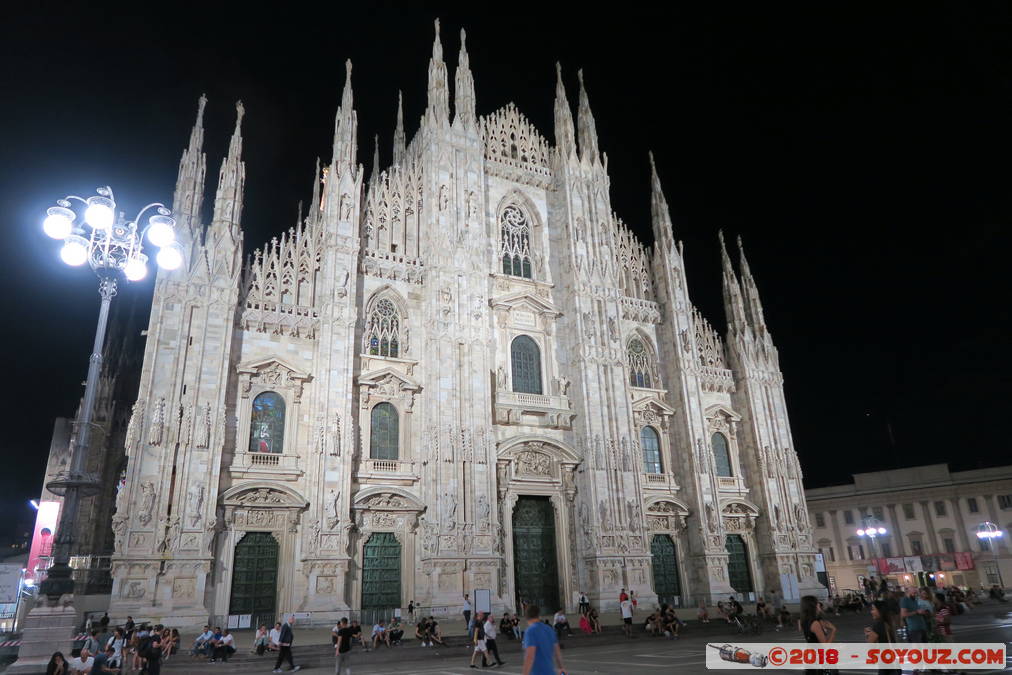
x: 931, y: 516
x: 462, y: 373
x: 106, y: 461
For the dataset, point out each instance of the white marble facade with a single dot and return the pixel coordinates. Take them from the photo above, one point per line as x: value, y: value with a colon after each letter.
x: 481, y: 292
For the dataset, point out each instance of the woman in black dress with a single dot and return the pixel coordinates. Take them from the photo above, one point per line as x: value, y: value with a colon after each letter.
x: 881, y: 629
x: 815, y: 628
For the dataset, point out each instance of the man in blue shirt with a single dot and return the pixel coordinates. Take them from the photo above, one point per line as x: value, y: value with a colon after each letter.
x: 914, y: 617
x: 541, y: 646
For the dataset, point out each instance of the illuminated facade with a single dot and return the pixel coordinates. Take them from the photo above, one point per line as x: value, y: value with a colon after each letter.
x: 464, y: 372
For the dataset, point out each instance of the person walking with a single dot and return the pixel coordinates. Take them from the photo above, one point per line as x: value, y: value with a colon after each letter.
x: 627, y: 616
x: 285, y: 640
x: 491, y: 632
x: 467, y: 613
x: 541, y: 648
x: 480, y: 647
x: 342, y: 648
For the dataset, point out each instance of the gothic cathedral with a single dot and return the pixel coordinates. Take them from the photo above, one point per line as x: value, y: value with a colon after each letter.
x: 463, y: 373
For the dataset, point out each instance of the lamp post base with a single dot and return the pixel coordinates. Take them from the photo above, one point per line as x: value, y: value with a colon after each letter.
x: 48, y: 629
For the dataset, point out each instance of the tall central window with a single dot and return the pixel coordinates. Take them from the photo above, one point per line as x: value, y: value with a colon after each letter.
x: 721, y: 455
x: 384, y: 435
x: 383, y: 330
x: 526, y: 361
x: 267, y: 423
x: 515, y: 232
x: 651, y: 450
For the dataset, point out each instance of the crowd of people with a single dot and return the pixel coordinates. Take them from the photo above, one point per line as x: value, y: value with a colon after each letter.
x: 912, y: 614
x: 138, y: 648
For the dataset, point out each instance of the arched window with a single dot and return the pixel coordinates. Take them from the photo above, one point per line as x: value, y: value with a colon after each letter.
x: 651, y: 445
x: 721, y: 455
x: 641, y: 366
x: 515, y: 232
x: 267, y: 424
x: 384, y: 434
x: 526, y: 358
x: 383, y: 330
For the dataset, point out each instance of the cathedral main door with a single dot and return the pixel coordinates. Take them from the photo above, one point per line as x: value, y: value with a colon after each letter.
x: 255, y: 578
x: 534, y: 558
x: 381, y: 572
x: 667, y: 586
x: 738, y: 571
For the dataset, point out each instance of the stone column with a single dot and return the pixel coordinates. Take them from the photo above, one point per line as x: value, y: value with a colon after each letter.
x: 841, y: 549
x: 897, y: 532
x: 930, y: 523
x: 993, y: 517
x: 960, y: 524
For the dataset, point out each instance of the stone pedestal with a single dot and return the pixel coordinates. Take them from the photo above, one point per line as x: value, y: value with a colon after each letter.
x: 47, y: 629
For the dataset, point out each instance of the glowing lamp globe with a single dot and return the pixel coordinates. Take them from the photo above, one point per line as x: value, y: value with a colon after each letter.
x: 99, y: 213
x: 59, y: 223
x: 136, y: 268
x: 161, y: 230
x: 170, y: 257
x: 881, y: 530
x: 74, y: 251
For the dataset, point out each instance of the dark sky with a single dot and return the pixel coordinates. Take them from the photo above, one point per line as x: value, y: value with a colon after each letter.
x: 861, y: 150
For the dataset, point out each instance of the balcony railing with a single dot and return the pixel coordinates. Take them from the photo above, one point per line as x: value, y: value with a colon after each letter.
x: 387, y: 469
x: 284, y: 465
x: 659, y: 480
x: 91, y: 574
x: 731, y: 484
x: 536, y: 401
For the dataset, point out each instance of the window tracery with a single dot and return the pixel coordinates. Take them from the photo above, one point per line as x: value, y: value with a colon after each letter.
x: 384, y: 333
x: 515, y: 233
x: 642, y: 372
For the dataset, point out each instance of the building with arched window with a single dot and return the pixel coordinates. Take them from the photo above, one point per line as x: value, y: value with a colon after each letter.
x: 464, y: 373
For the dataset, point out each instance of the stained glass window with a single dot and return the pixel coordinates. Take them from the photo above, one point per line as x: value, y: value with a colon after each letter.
x: 383, y: 330
x: 267, y: 423
x: 516, y: 242
x: 721, y: 455
x: 384, y: 436
x: 526, y: 359
x: 641, y: 365
x: 651, y: 445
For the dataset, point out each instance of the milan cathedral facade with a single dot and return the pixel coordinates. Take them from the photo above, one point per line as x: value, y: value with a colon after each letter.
x: 462, y: 373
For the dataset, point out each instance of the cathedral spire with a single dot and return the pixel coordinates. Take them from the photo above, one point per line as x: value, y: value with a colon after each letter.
x: 439, y: 102
x: 587, y: 127
x: 463, y: 90
x: 734, y: 308
x: 189, y: 195
x: 753, y: 305
x: 565, y: 139
x: 231, y: 179
x: 659, y: 212
x: 399, y: 140
x: 345, y: 156
x: 375, y: 159
x: 314, y: 202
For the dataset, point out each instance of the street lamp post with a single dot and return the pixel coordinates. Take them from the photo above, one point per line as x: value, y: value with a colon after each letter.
x: 989, y: 532
x: 872, y: 529
x: 112, y: 248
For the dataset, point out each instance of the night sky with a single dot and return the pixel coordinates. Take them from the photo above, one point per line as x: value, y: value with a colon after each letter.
x: 861, y: 150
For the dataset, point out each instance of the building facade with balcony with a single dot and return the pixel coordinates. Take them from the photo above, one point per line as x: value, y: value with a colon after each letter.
x: 931, y: 516
x: 463, y: 373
